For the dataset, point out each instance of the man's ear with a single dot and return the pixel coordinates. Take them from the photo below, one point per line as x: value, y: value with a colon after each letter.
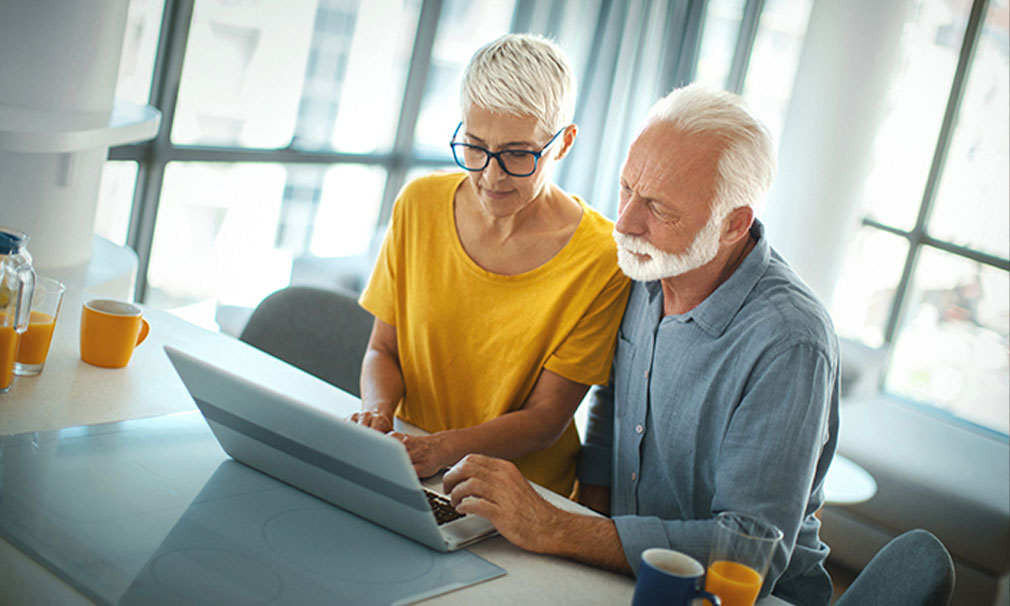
x: 567, y: 140
x: 737, y: 224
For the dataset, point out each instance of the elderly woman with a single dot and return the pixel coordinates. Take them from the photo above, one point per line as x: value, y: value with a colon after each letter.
x: 496, y: 295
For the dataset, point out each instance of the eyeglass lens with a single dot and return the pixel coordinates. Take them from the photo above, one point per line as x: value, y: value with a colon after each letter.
x: 514, y: 162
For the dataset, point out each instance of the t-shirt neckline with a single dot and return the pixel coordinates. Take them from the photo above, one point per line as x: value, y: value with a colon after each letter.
x: 473, y: 266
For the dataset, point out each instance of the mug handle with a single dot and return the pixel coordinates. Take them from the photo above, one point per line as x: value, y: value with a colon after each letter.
x: 144, y: 329
x: 711, y: 597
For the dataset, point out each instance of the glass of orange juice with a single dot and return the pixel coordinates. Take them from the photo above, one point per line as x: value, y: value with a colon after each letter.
x: 8, y: 350
x: 742, y: 549
x: 34, y: 342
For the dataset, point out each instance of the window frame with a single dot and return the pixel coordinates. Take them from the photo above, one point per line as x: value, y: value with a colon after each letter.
x: 153, y: 156
x: 918, y: 237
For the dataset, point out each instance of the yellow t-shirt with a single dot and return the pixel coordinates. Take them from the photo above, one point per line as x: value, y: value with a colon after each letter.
x: 472, y: 343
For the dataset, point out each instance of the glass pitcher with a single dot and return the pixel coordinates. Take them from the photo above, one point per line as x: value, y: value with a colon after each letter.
x: 17, y: 284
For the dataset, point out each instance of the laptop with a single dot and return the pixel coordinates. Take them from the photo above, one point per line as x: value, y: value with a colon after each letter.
x: 355, y: 468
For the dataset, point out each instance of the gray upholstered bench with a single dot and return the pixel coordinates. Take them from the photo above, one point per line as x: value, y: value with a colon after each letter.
x: 932, y: 472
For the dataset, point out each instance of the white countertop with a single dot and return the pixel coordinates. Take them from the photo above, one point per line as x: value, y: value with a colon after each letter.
x: 70, y: 392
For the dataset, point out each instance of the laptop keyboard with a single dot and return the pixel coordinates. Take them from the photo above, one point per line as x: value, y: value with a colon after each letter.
x: 443, y: 509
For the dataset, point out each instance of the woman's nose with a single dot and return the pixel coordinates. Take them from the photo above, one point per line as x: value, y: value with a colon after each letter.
x: 494, y: 171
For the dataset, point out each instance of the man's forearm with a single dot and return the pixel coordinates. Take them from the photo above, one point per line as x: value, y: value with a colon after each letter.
x: 590, y: 540
x: 496, y: 489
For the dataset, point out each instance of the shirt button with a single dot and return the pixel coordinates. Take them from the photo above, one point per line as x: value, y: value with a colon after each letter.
x: 639, y: 428
x: 647, y: 374
x: 634, y: 476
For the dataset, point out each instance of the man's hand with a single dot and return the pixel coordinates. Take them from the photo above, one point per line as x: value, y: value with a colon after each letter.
x: 429, y: 454
x: 376, y: 420
x: 496, y: 489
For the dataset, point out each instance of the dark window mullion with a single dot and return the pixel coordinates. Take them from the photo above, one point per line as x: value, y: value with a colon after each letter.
x: 139, y: 153
x: 926, y: 240
x: 744, y: 45
x: 967, y: 253
x: 919, y: 235
x: 413, y: 94
x: 194, y: 153
x: 522, y: 16
x: 164, y: 95
x: 684, y: 23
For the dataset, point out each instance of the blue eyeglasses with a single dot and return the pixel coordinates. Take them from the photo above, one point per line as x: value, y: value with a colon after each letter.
x: 516, y: 162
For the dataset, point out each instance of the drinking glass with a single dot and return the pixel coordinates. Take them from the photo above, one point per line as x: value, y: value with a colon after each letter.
x: 34, y: 342
x: 742, y: 549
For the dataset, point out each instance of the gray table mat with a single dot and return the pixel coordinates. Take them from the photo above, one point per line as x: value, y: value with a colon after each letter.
x: 154, y: 512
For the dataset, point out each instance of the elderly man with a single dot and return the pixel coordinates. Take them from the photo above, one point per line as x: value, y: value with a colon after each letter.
x: 724, y: 392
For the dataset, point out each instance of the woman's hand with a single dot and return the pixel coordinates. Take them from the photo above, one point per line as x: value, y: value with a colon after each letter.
x: 430, y: 454
x: 378, y: 421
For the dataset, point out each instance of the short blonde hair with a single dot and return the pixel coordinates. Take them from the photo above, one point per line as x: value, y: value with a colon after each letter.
x: 521, y: 74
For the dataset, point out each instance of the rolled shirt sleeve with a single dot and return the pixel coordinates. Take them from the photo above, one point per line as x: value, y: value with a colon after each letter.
x: 731, y: 406
x: 765, y: 465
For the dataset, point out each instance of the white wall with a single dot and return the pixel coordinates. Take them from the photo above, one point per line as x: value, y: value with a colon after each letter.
x: 849, y: 55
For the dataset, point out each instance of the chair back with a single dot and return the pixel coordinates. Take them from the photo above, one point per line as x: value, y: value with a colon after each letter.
x: 323, y: 332
x: 912, y: 569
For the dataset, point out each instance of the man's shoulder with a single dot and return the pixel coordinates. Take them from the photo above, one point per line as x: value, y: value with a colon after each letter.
x: 783, y: 308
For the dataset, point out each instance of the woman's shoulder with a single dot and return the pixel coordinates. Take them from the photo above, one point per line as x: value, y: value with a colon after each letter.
x: 425, y: 194
x: 592, y: 246
x: 434, y: 184
x: 594, y: 226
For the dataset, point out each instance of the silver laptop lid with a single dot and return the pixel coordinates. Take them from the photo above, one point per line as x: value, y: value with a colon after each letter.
x: 315, y: 450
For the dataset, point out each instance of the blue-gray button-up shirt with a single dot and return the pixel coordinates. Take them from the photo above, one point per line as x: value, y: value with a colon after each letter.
x: 732, y: 406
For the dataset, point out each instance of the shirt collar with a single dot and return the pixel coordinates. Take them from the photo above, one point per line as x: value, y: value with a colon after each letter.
x: 715, y: 313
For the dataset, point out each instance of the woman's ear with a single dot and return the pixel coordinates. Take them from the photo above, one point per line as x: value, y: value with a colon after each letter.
x: 567, y: 140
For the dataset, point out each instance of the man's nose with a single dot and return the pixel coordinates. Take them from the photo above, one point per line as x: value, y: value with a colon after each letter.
x: 631, y: 217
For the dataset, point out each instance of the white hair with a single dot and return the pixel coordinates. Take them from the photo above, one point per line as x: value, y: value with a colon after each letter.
x: 747, y: 163
x: 521, y: 74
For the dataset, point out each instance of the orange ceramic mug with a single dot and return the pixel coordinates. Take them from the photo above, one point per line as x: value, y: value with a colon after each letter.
x: 110, y: 330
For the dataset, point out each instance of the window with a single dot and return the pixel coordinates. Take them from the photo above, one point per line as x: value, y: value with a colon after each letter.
x: 115, y: 199
x: 288, y: 128
x: 464, y: 27
x: 772, y: 66
x: 927, y: 278
x: 244, y: 71
x: 136, y: 72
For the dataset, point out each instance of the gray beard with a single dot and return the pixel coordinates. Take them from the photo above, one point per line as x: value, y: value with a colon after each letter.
x: 702, y: 249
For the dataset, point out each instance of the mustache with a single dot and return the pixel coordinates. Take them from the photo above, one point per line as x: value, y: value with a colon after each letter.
x: 635, y: 244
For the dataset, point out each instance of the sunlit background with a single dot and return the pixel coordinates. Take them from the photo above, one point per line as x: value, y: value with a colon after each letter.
x: 296, y: 123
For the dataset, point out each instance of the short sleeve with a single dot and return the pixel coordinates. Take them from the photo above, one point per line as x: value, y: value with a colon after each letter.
x: 587, y: 351
x: 380, y: 294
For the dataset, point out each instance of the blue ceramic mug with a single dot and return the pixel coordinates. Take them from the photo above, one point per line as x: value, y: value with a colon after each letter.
x: 669, y: 578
